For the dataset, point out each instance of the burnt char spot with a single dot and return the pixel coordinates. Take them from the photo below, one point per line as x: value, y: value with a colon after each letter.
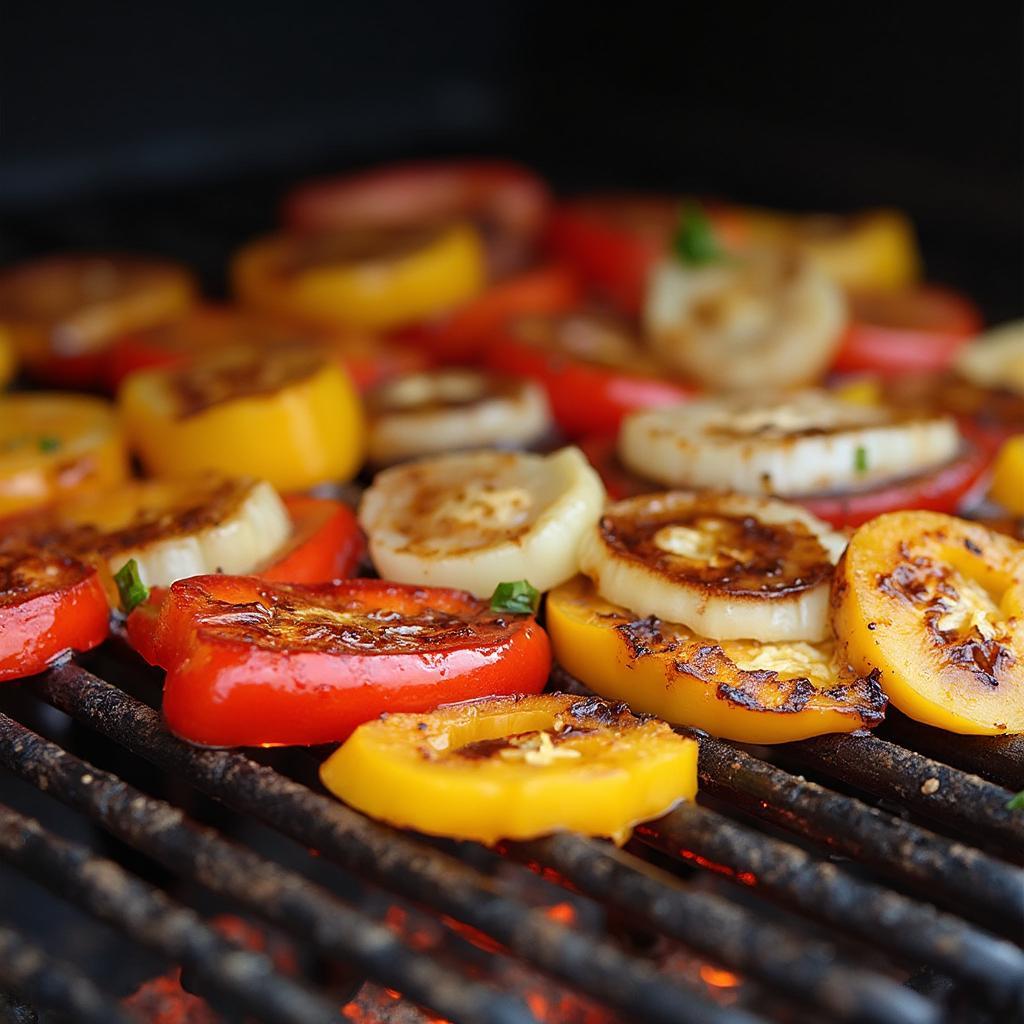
x: 644, y: 637
x: 27, y: 572
x: 971, y: 546
x: 791, y: 695
x: 866, y: 693
x: 752, y: 558
x: 595, y: 712
x: 988, y: 660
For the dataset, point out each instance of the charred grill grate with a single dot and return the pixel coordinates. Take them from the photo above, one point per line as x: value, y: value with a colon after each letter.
x: 811, y: 939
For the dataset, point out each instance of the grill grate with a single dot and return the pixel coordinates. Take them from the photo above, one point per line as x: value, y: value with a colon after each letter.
x: 820, y: 941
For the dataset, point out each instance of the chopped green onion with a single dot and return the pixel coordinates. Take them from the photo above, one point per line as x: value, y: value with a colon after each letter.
x: 49, y: 444
x: 860, y: 459
x: 694, y: 242
x: 130, y: 586
x: 1016, y: 803
x: 518, y: 597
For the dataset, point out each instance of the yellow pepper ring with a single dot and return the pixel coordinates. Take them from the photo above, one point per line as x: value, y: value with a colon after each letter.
x: 8, y: 362
x: 374, y: 280
x: 874, y: 249
x: 54, y: 445
x: 515, y: 768
x: 936, y: 605
x: 787, y: 691
x: 1008, y: 476
x: 288, y: 415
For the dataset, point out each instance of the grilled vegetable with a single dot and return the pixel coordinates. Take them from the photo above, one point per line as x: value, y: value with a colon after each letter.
x: 173, y: 529
x: 766, y: 320
x: 49, y: 604
x: 907, y: 331
x: 935, y: 605
x: 508, y: 203
x: 591, y: 365
x: 726, y: 566
x: 515, y: 768
x: 56, y: 445
x: 874, y: 249
x: 367, y: 360
x: 256, y: 663
x: 478, y: 519
x: 996, y: 360
x: 1008, y: 476
x: 799, y: 444
x: 63, y: 312
x: 285, y: 414
x: 374, y: 279
x: 325, y: 543
x: 739, y: 689
x: 445, y: 410
x: 470, y: 331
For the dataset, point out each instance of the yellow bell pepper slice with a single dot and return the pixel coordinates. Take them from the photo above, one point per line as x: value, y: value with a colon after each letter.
x: 1008, y: 476
x: 373, y: 280
x: 8, y: 360
x: 935, y: 604
x: 782, y: 692
x: 515, y: 768
x: 288, y: 415
x: 54, y: 445
x: 874, y: 249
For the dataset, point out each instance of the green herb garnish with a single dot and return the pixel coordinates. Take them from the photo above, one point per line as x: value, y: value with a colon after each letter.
x: 860, y: 459
x: 48, y: 444
x: 130, y: 587
x: 694, y: 242
x: 518, y: 597
x: 1016, y: 803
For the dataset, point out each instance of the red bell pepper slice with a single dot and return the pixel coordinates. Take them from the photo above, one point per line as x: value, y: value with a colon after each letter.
x: 252, y: 663
x: 49, y: 605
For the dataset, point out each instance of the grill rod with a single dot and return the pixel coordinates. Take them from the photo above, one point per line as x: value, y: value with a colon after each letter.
x: 915, y: 931
x: 223, y: 969
x: 286, y: 899
x: 978, y: 886
x: 410, y: 868
x: 929, y: 787
x: 52, y: 984
x: 997, y: 758
x: 803, y: 968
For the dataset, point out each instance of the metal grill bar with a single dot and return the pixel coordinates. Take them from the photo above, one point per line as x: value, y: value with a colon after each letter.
x: 979, y: 886
x: 226, y: 971
x: 405, y: 866
x: 51, y: 984
x: 282, y: 897
x: 999, y: 759
x: 805, y: 969
x: 915, y: 931
x: 14, y: 1011
x: 917, y: 782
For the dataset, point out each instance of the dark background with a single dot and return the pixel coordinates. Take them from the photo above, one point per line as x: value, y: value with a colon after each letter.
x: 176, y: 128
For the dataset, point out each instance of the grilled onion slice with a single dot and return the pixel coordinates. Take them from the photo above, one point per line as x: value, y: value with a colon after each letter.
x: 739, y: 689
x: 728, y: 566
x: 996, y: 359
x: 445, y: 410
x: 808, y: 442
x: 477, y: 519
x: 176, y: 529
x: 771, y: 320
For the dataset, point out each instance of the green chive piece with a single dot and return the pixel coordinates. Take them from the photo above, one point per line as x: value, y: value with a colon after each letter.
x: 860, y: 459
x: 694, y: 242
x: 517, y: 597
x: 1016, y: 803
x: 130, y: 587
x: 49, y: 444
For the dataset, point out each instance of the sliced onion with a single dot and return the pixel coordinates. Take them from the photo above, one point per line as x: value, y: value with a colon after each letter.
x: 178, y: 529
x: 727, y: 566
x: 808, y: 442
x: 770, y: 320
x: 448, y: 410
x: 478, y: 519
x: 996, y: 359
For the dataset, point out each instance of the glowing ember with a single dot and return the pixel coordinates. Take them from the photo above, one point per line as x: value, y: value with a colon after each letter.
x: 718, y: 978
x: 563, y: 913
